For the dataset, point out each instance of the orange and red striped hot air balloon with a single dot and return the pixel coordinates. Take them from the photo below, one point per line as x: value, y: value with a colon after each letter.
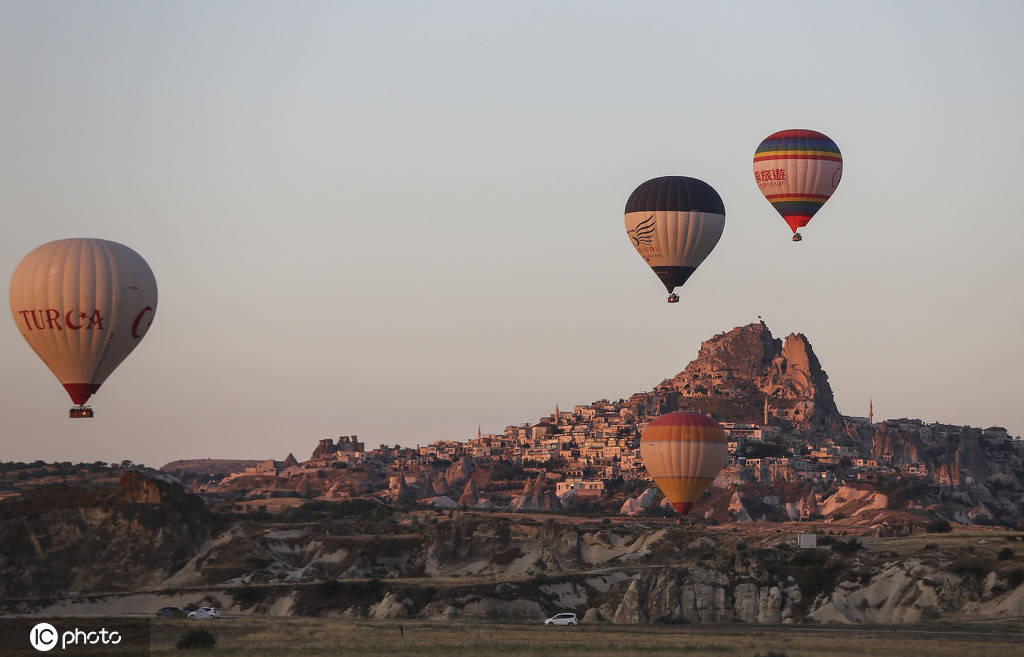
x: 683, y: 452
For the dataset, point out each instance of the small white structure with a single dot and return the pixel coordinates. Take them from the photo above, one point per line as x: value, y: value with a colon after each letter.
x: 807, y: 540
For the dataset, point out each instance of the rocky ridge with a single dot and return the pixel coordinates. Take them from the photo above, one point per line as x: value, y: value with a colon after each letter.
x: 735, y: 372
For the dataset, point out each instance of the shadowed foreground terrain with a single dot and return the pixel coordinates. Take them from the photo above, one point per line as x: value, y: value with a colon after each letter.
x: 297, y: 637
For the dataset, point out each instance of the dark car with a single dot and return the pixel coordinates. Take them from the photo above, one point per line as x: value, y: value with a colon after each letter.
x: 171, y: 612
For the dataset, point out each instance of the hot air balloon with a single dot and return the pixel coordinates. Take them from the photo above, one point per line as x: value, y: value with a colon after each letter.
x: 83, y: 305
x: 797, y: 171
x: 683, y: 453
x: 674, y: 222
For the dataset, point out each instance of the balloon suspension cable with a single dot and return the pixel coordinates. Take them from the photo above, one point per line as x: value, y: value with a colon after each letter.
x: 80, y: 411
x: 673, y: 298
x: 797, y: 237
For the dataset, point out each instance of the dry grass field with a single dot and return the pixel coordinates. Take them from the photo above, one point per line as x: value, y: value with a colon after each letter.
x: 298, y: 637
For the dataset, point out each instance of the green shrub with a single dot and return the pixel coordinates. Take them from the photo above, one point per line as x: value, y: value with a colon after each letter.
x: 1015, y: 578
x: 250, y: 595
x: 938, y: 527
x: 849, y: 546
x: 329, y: 588
x: 1005, y: 553
x: 196, y: 639
x: 808, y: 558
x: 964, y: 569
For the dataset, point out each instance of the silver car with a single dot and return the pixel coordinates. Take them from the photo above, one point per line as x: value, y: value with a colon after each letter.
x: 562, y: 619
x: 204, y: 612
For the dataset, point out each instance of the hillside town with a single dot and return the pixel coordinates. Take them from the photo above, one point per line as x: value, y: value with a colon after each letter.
x: 772, y: 399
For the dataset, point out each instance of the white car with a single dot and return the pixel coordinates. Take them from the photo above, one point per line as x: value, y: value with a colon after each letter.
x: 562, y: 619
x: 204, y: 612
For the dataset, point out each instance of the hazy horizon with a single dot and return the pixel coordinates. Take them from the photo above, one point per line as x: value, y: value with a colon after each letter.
x: 403, y: 221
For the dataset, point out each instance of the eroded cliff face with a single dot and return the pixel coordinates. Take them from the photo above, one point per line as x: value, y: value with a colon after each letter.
x: 735, y: 372
x: 985, y: 475
x: 98, y: 540
x: 482, y: 566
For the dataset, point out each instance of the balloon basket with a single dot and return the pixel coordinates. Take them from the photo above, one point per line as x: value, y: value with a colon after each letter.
x: 80, y: 411
x: 673, y: 298
x: 797, y: 237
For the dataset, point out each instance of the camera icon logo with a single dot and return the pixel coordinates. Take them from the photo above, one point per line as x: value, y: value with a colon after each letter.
x: 43, y: 637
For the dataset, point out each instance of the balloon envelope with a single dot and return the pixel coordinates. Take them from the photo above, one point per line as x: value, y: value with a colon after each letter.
x: 674, y: 222
x: 83, y: 305
x: 683, y: 452
x: 797, y: 171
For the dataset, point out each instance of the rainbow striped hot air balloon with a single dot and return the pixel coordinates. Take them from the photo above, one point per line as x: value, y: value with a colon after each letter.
x: 797, y: 171
x: 683, y: 452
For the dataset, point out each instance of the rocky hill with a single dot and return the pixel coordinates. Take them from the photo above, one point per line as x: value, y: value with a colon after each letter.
x: 736, y: 372
x: 60, y: 538
x: 208, y: 467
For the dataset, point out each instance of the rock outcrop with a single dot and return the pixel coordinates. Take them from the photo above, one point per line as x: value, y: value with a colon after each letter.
x: 130, y: 537
x: 735, y: 372
x: 470, y: 494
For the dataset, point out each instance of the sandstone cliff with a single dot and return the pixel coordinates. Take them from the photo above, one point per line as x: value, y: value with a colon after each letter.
x: 519, y: 569
x: 99, y: 540
x: 737, y: 371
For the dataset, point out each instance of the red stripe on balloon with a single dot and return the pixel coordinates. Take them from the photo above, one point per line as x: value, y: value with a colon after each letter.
x: 80, y: 392
x: 761, y: 157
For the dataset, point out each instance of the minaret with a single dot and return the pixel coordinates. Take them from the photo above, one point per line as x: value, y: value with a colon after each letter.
x: 871, y: 411
x: 765, y: 410
x: 556, y: 414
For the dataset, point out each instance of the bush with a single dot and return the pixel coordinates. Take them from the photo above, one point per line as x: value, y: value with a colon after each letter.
x: 250, y: 595
x: 1015, y: 578
x: 196, y: 639
x: 1005, y: 553
x: 329, y: 588
x: 964, y: 569
x: 938, y: 527
x: 805, y: 558
x: 849, y: 546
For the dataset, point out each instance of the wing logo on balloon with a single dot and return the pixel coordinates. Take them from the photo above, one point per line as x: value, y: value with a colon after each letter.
x: 643, y: 233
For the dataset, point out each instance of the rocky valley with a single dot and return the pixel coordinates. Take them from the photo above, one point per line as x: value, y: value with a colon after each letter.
x: 147, y: 543
x: 902, y: 520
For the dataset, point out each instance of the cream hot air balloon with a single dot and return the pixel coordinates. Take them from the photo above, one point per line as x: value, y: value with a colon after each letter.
x: 683, y: 452
x: 674, y: 222
x: 83, y: 305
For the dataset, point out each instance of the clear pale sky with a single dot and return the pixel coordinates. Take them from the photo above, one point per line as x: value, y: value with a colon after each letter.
x: 404, y: 220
